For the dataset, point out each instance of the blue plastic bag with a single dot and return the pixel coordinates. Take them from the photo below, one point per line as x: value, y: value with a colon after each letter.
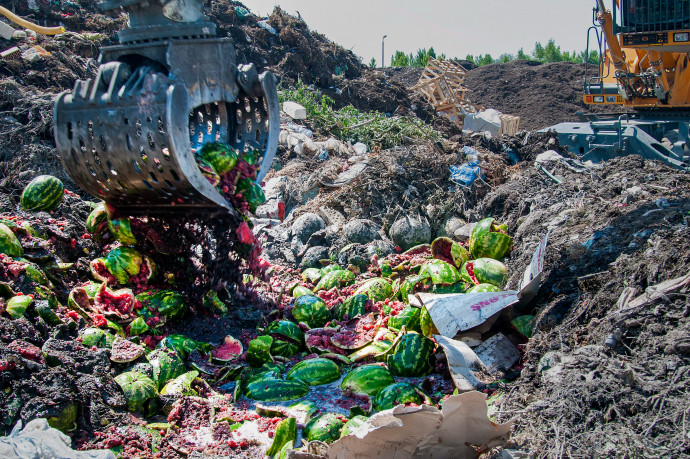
x: 466, y: 174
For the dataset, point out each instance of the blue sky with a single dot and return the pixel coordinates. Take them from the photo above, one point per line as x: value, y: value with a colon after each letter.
x: 456, y: 28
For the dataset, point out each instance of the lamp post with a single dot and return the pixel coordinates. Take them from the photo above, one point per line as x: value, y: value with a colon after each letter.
x: 383, y: 62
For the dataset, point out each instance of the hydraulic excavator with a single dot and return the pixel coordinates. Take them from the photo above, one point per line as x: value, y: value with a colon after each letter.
x: 169, y: 87
x: 643, y: 67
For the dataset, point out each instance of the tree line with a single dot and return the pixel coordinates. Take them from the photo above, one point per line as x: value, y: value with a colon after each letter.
x: 542, y: 53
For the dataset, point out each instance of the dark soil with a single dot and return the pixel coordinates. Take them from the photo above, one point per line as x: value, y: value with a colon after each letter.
x: 540, y: 94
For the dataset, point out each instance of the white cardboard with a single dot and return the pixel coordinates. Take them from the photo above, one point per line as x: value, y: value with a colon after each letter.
x: 294, y: 110
x: 425, y: 432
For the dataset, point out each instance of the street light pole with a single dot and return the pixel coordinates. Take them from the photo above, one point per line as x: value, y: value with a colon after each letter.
x: 383, y: 62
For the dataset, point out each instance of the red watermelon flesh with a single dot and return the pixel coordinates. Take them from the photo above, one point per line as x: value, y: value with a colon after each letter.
x: 356, y: 333
x: 120, y: 302
x: 319, y: 340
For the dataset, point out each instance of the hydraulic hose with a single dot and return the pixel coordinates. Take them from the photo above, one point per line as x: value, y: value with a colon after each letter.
x: 30, y: 25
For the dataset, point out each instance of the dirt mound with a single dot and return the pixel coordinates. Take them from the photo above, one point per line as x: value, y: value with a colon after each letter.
x: 540, y: 94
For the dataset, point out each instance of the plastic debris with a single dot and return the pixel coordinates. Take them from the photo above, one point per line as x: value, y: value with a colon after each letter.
x: 466, y: 174
x: 40, y: 441
x: 268, y: 27
x: 294, y: 110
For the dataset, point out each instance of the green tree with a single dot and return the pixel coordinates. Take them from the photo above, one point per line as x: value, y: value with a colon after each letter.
x: 521, y: 55
x: 400, y: 59
x: 552, y: 53
x: 372, y: 63
x: 485, y: 60
x: 505, y: 58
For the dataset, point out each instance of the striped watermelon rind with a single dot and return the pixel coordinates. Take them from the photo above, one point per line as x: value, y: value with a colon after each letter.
x: 315, y: 372
x: 440, y: 272
x: 9, y: 244
x: 354, y: 306
x: 325, y: 428
x: 286, y: 433
x: 276, y: 390
x: 17, y: 305
x: 181, y: 385
x: 166, y: 364
x: 300, y: 290
x: 334, y: 279
x: 44, y: 192
x: 137, y: 387
x: 251, y: 192
x: 331, y: 268
x: 311, y: 274
x: 121, y: 229
x: 408, y: 317
x: 97, y: 221
x: 311, y: 310
x: 485, y: 271
x: 482, y: 288
x: 486, y: 241
x: 376, y: 289
x: 123, y: 263
x: 221, y: 157
x: 138, y: 326
x: 259, y: 350
x: 411, y: 356
x: 353, y: 424
x: 367, y: 380
x: 396, y: 394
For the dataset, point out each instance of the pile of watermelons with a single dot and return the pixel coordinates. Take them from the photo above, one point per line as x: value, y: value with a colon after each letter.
x: 333, y: 325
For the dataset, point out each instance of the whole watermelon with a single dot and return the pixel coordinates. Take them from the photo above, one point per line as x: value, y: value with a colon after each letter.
x: 45, y: 192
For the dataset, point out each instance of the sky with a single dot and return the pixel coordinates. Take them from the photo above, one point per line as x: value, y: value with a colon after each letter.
x: 453, y: 27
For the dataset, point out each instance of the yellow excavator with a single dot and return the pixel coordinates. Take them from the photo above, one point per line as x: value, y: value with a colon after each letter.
x: 644, y: 68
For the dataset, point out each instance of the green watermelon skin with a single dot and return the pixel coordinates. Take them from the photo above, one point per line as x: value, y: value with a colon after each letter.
x: 315, y: 372
x: 275, y: 390
x: 486, y: 241
x: 353, y: 424
x: 325, y: 428
x: 411, y: 356
x: 367, y: 380
x: 377, y: 289
x: 352, y: 307
x: 311, y: 310
x: 396, y: 394
x: 221, y: 157
x: 441, y: 272
x: 485, y: 271
x: 334, y: 279
x: 286, y: 434
x: 408, y: 317
x: 137, y: 387
x: 252, y: 193
x: 482, y: 288
x: 45, y: 192
x: 9, y: 244
x: 167, y: 365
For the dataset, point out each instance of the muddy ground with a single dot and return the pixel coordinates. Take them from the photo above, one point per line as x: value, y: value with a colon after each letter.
x: 619, y: 382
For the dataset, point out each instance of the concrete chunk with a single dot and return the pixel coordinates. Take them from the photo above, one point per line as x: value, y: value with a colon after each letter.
x: 294, y: 110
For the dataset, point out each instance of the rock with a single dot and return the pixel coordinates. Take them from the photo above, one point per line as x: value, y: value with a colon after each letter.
x: 449, y: 226
x: 381, y: 248
x: 274, y: 190
x: 463, y: 233
x: 306, y: 225
x: 294, y: 110
x: 361, y: 231
x: 313, y: 255
x: 408, y: 232
x: 331, y: 216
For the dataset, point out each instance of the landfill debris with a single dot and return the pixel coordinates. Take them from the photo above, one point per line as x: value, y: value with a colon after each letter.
x: 34, y: 53
x: 294, y: 110
x: 467, y: 370
x: 11, y: 53
x: 268, y: 27
x: 40, y: 441
x: 498, y: 354
x: 454, y: 431
x: 6, y: 31
x: 466, y: 174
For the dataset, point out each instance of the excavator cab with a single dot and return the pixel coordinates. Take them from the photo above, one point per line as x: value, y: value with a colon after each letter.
x: 643, y: 70
x: 170, y: 86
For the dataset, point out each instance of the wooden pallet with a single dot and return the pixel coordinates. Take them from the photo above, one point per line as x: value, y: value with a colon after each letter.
x: 441, y: 83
